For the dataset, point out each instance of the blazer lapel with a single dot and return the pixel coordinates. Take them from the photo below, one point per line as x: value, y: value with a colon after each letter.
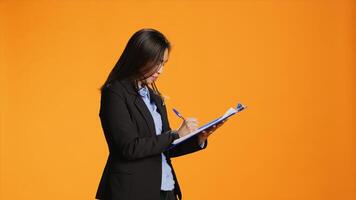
x: 141, y: 106
x: 160, y: 109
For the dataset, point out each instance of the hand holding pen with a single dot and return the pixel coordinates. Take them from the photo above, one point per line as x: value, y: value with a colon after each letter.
x: 188, y: 125
x: 206, y: 133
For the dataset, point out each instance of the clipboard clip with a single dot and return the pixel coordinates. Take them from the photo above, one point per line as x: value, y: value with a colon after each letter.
x: 240, y: 107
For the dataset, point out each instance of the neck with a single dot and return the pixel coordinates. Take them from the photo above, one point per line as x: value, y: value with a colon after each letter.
x: 139, y: 84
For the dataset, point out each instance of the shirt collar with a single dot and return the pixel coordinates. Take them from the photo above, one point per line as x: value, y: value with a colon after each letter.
x: 143, y: 91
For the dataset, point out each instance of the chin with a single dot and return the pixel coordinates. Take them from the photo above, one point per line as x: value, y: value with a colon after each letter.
x: 150, y: 81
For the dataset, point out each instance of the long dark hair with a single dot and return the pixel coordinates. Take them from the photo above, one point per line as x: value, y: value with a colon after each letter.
x: 140, y: 58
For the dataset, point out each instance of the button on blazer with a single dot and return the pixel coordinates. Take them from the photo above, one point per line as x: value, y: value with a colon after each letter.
x: 134, y: 166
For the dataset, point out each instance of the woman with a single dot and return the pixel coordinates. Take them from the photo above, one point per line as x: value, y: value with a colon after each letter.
x: 134, y: 120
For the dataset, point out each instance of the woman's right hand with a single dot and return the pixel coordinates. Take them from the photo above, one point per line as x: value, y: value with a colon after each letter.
x: 189, y: 125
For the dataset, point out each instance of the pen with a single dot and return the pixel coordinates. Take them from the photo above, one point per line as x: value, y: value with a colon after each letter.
x: 178, y: 114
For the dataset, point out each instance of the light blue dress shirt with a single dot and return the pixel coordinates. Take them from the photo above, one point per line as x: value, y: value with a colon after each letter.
x: 167, y: 176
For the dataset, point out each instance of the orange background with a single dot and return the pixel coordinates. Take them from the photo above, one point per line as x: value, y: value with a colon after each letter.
x: 291, y: 62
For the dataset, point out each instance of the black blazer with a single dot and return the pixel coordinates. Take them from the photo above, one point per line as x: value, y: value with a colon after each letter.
x: 134, y: 167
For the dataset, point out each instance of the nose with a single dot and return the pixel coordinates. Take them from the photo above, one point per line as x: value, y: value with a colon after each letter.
x: 160, y: 70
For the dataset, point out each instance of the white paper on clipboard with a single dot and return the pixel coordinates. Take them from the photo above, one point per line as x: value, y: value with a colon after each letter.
x: 227, y: 114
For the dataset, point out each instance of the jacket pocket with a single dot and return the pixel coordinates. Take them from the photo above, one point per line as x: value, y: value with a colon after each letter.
x: 123, y: 168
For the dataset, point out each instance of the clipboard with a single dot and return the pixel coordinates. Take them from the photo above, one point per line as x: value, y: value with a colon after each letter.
x: 230, y: 112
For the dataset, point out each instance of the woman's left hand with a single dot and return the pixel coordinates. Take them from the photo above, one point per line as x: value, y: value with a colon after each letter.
x: 205, y: 134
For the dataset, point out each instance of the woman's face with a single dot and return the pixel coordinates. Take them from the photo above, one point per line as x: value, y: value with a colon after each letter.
x: 154, y: 76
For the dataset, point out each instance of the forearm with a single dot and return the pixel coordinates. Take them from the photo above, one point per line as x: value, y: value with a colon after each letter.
x: 143, y: 147
x: 187, y: 147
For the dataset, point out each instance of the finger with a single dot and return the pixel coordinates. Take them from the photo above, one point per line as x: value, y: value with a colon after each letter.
x: 193, y: 127
x: 189, y: 124
x: 191, y: 119
x: 212, y: 130
x: 202, y: 134
x: 192, y: 122
x: 220, y: 123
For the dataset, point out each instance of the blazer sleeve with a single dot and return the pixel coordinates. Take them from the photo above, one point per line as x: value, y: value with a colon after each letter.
x: 187, y: 147
x: 122, y: 134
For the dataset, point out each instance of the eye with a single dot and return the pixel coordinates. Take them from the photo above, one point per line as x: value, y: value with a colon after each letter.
x: 163, y: 62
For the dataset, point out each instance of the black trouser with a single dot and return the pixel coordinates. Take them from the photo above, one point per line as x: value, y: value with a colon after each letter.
x: 167, y: 195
